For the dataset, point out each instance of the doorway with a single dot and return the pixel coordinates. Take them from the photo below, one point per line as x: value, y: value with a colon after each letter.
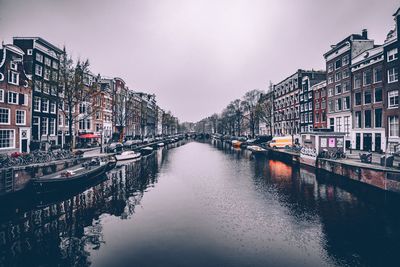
x: 367, y: 142
x: 358, y: 141
x: 378, y: 140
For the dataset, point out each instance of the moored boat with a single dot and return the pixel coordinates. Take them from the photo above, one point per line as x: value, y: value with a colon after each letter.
x: 146, y: 150
x: 127, y: 155
x: 236, y: 143
x: 257, y: 150
x: 73, y: 176
x: 160, y: 144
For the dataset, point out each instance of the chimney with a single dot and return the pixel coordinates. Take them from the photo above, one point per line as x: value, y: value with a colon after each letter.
x: 364, y: 33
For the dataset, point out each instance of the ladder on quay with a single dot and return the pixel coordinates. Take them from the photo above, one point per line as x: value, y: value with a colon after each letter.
x: 8, y: 178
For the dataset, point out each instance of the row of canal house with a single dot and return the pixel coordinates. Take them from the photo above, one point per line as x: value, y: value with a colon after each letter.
x: 34, y: 113
x: 357, y: 94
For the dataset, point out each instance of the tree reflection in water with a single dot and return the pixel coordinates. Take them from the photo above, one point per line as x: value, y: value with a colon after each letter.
x: 62, y: 233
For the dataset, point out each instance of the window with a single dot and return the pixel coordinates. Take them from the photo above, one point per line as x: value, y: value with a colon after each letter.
x: 377, y: 75
x: 52, y: 126
x: 378, y: 95
x: 392, y: 55
x: 346, y: 86
x: 330, y: 106
x: 330, y: 92
x: 346, y: 73
x: 47, y: 61
x: 338, y: 104
x: 13, y: 65
x: 323, y: 93
x: 358, y: 119
x: 13, y: 77
x: 338, y: 124
x: 338, y: 64
x: 378, y: 118
x: 317, y: 104
x: 357, y: 81
x: 53, y: 107
x: 367, y: 77
x: 338, y: 76
x: 46, y: 74
x: 39, y: 57
x: 316, y: 117
x: 12, y: 98
x: 393, y: 75
x: 330, y: 79
x: 367, y: 118
x: 53, y: 90
x: 43, y: 126
x: 346, y: 103
x: 36, y: 103
x: 38, y: 70
x: 29, y: 52
x: 7, y: 139
x: 345, y: 60
x: 330, y: 67
x: 357, y: 97
x: 20, y: 117
x: 338, y: 89
x: 45, y: 105
x: 347, y: 124
x: 393, y: 122
x: 38, y: 86
x: 323, y: 104
x: 60, y: 119
x: 4, y: 116
x: 54, y: 76
x: 367, y: 97
x: 55, y: 65
x: 46, y: 88
x: 2, y: 95
x: 393, y: 99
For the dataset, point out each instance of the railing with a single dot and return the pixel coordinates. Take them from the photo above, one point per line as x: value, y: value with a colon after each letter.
x: 23, y: 159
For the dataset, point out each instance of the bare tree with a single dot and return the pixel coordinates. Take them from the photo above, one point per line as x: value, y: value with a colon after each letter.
x: 73, y: 92
x: 251, y: 106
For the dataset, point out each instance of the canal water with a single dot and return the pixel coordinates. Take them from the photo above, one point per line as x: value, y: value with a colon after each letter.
x: 204, y: 204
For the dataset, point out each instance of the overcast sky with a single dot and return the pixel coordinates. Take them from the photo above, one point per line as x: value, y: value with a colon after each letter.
x: 197, y: 55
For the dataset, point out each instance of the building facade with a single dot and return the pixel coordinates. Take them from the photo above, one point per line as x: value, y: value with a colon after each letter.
x: 339, y: 83
x: 42, y: 64
x: 320, y: 105
x: 391, y: 60
x: 15, y: 98
x: 368, y: 131
x: 306, y: 99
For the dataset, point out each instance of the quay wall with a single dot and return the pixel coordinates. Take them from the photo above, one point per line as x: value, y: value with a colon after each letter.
x: 387, y: 179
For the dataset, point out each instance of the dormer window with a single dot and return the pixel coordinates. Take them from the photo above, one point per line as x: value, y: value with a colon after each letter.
x: 13, y: 65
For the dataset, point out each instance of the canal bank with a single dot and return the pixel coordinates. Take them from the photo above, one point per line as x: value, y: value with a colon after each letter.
x: 204, y: 205
x: 384, y: 178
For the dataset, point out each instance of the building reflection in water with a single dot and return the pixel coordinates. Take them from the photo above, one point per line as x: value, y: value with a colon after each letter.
x: 62, y: 233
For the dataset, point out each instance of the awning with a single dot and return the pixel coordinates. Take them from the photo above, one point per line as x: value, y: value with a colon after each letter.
x: 88, y: 136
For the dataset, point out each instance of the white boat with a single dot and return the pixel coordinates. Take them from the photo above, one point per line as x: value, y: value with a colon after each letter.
x: 256, y: 149
x: 160, y: 144
x: 126, y: 155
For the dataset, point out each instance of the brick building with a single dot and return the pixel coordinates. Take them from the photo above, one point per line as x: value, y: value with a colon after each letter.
x: 320, y: 105
x: 339, y: 84
x: 368, y: 97
x: 15, y: 97
x: 392, y: 85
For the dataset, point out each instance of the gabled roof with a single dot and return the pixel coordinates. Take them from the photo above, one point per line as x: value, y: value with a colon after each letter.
x: 41, y: 40
x: 349, y: 38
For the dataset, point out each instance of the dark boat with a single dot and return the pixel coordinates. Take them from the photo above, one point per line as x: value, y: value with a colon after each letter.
x: 146, y: 150
x: 73, y: 176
